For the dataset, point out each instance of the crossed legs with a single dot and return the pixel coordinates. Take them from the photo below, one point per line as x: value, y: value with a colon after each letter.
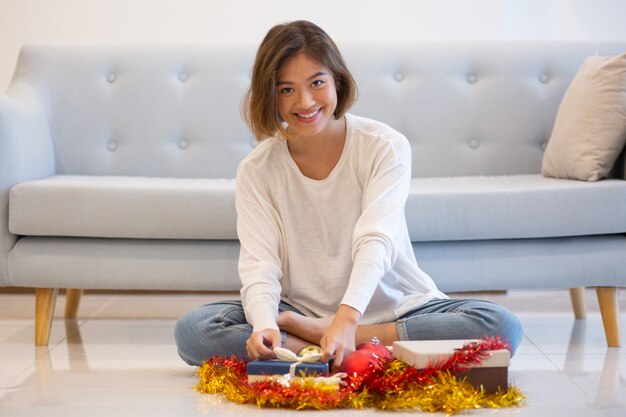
x: 222, y: 329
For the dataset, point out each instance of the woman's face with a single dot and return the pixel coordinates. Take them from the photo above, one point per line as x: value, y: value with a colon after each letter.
x: 307, y: 97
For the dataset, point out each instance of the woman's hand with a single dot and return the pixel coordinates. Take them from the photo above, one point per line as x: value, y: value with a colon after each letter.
x: 338, y: 341
x: 261, y: 344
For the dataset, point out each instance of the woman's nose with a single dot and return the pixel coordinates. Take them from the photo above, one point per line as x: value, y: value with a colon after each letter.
x: 305, y: 99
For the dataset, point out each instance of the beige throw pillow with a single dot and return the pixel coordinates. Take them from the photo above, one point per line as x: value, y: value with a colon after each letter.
x: 590, y: 127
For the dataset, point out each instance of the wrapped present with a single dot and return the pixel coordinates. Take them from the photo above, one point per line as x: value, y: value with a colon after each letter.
x: 259, y: 370
x: 491, y: 373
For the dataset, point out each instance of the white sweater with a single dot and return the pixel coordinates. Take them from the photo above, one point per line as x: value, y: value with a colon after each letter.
x: 341, y: 240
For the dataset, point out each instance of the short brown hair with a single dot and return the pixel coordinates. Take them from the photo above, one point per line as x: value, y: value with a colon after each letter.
x: 282, y: 42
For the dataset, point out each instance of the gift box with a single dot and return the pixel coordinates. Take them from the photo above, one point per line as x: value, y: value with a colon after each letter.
x: 491, y: 373
x: 259, y: 370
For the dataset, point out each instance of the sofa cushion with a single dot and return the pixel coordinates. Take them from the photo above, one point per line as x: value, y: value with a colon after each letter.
x: 438, y: 209
x: 590, y: 127
x: 129, y: 264
x: 508, y: 264
x: 516, y: 206
x: 124, y: 207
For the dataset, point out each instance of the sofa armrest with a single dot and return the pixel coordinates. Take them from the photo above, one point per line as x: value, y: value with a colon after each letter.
x: 26, y: 153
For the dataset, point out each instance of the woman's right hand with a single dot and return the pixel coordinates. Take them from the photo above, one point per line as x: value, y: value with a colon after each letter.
x: 261, y: 344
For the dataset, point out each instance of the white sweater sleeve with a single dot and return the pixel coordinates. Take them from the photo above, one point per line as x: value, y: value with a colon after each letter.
x: 259, y: 261
x: 373, y: 249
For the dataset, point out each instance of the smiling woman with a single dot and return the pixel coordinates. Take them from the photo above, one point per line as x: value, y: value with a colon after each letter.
x: 326, y: 258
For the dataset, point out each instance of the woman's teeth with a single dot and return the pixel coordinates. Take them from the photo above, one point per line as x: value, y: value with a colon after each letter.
x: 309, y: 115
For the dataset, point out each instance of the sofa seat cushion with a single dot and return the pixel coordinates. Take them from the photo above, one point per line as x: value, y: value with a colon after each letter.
x: 511, y: 207
x: 437, y: 209
x: 124, y: 207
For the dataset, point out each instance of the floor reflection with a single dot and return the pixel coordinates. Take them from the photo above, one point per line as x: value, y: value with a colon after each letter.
x: 582, y: 365
x: 47, y: 387
x: 44, y: 374
x: 607, y: 393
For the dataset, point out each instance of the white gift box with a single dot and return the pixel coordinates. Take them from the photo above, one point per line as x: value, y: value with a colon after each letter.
x: 491, y: 373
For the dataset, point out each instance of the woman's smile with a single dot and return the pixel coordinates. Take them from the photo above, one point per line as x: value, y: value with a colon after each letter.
x: 310, y: 117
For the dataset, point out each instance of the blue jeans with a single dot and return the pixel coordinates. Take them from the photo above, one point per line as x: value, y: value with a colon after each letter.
x: 221, y: 328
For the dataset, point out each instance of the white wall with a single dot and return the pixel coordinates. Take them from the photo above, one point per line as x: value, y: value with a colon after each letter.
x: 115, y: 21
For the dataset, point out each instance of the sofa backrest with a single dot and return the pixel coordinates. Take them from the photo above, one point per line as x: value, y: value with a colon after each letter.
x: 174, y: 110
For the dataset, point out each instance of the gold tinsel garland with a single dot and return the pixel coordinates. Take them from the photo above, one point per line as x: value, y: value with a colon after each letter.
x: 395, y: 386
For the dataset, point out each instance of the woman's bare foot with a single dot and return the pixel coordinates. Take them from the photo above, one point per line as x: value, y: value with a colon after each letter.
x: 310, y: 329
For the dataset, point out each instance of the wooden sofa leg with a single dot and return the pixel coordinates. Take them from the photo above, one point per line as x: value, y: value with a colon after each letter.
x: 578, y: 302
x: 72, y: 300
x: 45, y: 300
x: 609, y: 308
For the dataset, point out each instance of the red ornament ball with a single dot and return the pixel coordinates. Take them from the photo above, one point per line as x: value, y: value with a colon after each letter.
x: 377, y: 348
x: 360, y: 361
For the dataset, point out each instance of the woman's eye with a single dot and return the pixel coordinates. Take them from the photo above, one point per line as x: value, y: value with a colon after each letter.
x: 286, y: 90
x: 317, y: 83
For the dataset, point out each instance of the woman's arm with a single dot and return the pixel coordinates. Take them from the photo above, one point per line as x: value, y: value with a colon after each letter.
x: 375, y: 235
x: 374, y: 248
x: 260, y: 265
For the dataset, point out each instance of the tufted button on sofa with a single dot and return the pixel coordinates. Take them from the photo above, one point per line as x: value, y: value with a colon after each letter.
x: 118, y: 166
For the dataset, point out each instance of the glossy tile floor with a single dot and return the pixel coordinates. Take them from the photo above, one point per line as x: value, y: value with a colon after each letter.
x: 118, y: 359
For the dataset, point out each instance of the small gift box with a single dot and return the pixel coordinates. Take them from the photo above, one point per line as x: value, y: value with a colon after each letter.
x: 491, y: 373
x: 259, y: 370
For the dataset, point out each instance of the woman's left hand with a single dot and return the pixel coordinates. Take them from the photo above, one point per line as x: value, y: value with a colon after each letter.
x: 339, y: 339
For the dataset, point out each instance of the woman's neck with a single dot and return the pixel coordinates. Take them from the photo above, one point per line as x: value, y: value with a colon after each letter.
x: 333, y: 135
x: 317, y: 156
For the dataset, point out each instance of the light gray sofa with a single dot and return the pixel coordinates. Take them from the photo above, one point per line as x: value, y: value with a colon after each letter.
x: 118, y: 164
